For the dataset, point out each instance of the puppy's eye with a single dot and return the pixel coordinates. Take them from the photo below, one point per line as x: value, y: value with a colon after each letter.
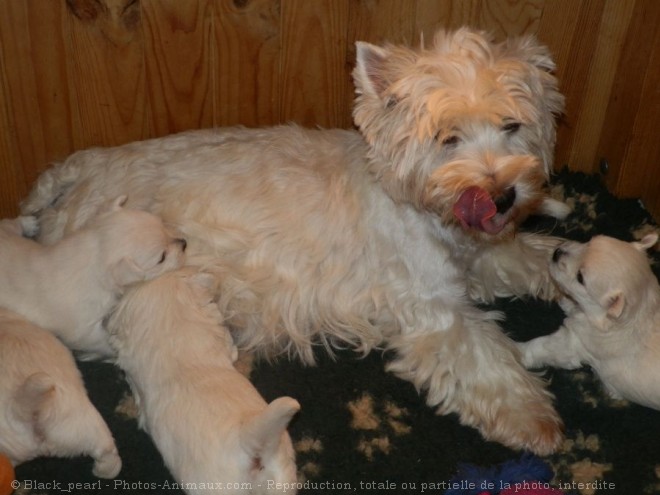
x: 162, y: 258
x: 511, y: 127
x: 580, y: 278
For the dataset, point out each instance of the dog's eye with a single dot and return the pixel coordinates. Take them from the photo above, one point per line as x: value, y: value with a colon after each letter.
x: 450, y: 140
x: 511, y: 127
x: 580, y: 278
x: 162, y: 258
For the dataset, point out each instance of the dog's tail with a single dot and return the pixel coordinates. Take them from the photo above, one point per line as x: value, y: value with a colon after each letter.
x: 51, y: 185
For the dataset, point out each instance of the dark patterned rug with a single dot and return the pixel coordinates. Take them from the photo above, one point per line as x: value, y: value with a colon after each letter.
x: 364, y: 431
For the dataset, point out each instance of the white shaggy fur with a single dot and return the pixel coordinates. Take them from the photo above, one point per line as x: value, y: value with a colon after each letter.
x: 44, y: 408
x: 208, y: 421
x: 382, y: 237
x: 613, y: 322
x: 70, y: 286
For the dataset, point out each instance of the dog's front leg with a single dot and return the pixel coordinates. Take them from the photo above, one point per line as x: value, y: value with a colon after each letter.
x: 516, y: 267
x: 469, y: 367
x: 562, y: 349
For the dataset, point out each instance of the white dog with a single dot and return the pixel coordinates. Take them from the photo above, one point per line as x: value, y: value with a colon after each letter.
x: 69, y: 287
x: 382, y: 237
x: 208, y: 421
x: 613, y: 322
x: 45, y: 410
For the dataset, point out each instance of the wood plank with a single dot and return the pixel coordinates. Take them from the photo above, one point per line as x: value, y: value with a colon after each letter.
x: 178, y: 38
x: 574, y: 72
x: 628, y: 102
x: 313, y: 59
x: 640, y: 167
x: 603, y: 63
x: 105, y: 69
x: 246, y: 62
x: 12, y: 183
x: 35, y: 83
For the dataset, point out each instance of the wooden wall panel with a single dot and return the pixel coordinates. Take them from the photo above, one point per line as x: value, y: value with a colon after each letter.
x: 178, y: 48
x: 105, y: 70
x: 80, y: 73
x: 246, y: 49
x: 36, y: 100
x: 630, y: 139
x: 313, y: 65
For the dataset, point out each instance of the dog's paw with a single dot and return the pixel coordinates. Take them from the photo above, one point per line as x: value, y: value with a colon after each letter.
x: 532, y: 425
x: 107, y: 465
x: 29, y: 226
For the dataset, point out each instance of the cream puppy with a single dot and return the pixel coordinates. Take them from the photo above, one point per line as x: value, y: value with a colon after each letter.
x: 208, y: 421
x: 44, y: 408
x: 613, y: 322
x: 68, y: 287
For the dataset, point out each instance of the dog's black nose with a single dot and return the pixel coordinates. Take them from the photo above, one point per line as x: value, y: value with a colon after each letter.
x: 505, y: 201
x: 559, y: 252
x: 183, y: 242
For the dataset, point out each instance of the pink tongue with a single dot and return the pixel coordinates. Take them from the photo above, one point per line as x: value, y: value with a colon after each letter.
x: 475, y: 209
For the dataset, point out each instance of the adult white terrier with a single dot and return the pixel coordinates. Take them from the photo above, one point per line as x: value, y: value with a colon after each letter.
x: 208, y: 421
x: 70, y: 286
x: 45, y: 410
x: 613, y: 322
x: 382, y: 237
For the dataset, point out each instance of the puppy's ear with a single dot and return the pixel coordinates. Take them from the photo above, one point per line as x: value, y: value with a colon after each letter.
x: 614, y: 302
x: 260, y: 436
x: 647, y: 242
x: 33, y: 401
x: 126, y: 272
x: 370, y: 73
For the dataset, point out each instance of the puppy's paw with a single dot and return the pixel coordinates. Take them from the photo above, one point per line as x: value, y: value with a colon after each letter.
x: 29, y: 226
x: 107, y: 465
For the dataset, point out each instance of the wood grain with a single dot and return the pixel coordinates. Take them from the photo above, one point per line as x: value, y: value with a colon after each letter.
x: 179, y: 64
x: 246, y: 62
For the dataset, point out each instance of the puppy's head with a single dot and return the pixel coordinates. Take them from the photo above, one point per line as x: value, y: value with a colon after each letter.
x: 608, y: 279
x: 135, y: 245
x: 464, y: 128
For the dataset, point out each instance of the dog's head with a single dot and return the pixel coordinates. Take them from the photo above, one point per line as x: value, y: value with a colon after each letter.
x: 607, y: 278
x: 135, y: 245
x: 464, y: 129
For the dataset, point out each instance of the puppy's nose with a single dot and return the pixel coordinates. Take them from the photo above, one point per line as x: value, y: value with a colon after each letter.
x: 559, y: 252
x: 183, y: 242
x: 505, y: 201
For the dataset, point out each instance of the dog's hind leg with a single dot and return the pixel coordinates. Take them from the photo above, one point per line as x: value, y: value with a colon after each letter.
x: 469, y: 367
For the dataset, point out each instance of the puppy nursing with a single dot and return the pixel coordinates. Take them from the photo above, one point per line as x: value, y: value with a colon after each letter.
x: 70, y: 286
x: 613, y: 324
x: 209, y: 423
x: 387, y: 235
x: 45, y: 408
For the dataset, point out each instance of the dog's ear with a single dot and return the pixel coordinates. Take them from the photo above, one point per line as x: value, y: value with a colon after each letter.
x: 614, y: 302
x: 33, y: 401
x: 261, y: 436
x: 647, y: 242
x: 370, y: 74
x: 126, y: 272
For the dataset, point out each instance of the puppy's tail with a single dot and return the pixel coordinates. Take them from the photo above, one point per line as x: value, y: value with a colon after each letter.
x: 50, y: 186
